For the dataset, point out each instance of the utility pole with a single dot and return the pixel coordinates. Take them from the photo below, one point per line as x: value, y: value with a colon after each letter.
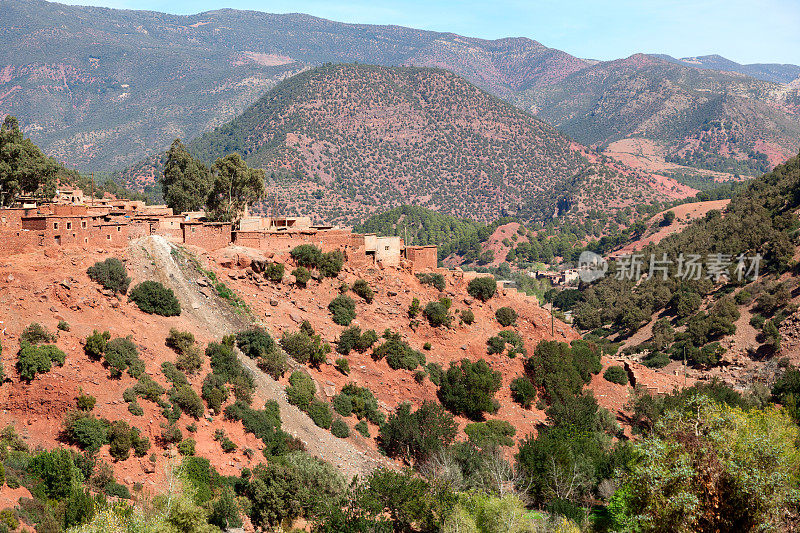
x: 684, y: 366
x: 92, y: 189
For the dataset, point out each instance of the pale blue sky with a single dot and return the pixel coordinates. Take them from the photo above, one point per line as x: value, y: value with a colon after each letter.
x: 754, y: 31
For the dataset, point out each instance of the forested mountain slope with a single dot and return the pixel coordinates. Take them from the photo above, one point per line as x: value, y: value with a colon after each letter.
x: 346, y: 140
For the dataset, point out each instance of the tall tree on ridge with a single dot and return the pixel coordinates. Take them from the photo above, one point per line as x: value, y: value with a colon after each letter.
x: 186, y: 181
x: 24, y: 169
x: 236, y: 186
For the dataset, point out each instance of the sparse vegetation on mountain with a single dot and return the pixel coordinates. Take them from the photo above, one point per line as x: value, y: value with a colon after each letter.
x: 343, y: 310
x: 506, y: 316
x: 362, y: 288
x: 398, y: 353
x: 38, y: 359
x: 414, y: 436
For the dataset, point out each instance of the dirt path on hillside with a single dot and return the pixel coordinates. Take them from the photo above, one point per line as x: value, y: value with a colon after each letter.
x: 154, y: 257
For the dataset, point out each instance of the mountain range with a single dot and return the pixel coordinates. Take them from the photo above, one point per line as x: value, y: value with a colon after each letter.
x: 102, y: 88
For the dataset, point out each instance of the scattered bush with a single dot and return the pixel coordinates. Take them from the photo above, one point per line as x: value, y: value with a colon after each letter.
x: 153, y: 298
x: 171, y: 434
x: 482, y: 288
x: 186, y: 447
x: 413, y: 309
x: 35, y: 333
x: 63, y: 325
x: 301, y: 276
x: 331, y: 264
x: 187, y: 399
x: 342, y: 404
x: 35, y: 359
x: 86, y: 402
x: 363, y: 403
x: 95, y: 345
x: 467, y: 316
x: 362, y: 288
x: 180, y: 341
x: 437, y: 314
x: 301, y: 389
x: 616, y: 374
x: 343, y: 310
x: 320, y: 413
x: 523, y: 391
x: 427, y: 346
x: 305, y: 348
x: 416, y: 436
x: 363, y: 428
x: 274, y: 272
x: 255, y: 342
x: 121, y: 354
x: 656, y: 360
x: 352, y: 338
x: 307, y: 255
x: 111, y: 274
x: 398, y: 353
x: 343, y: 365
x: 117, y: 490
x: 434, y: 279
x: 339, y: 429
x: 506, y: 316
x: 435, y: 372
x: 86, y: 431
x: 468, y: 388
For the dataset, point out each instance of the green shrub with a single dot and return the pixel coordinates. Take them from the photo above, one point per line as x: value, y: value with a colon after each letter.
x: 35, y: 359
x: 228, y: 445
x: 95, y: 345
x: 420, y: 375
x: 523, y: 391
x: 398, y: 353
x: 305, y: 348
x: 506, y: 316
x: 111, y: 274
x: 119, y: 440
x: 331, y: 264
x: 189, y: 361
x: 482, y: 288
x: 186, y: 446
x: 255, y: 342
x: 362, y: 288
x: 135, y: 409
x: 187, y: 399
x: 467, y: 316
x: 435, y: 279
x: 363, y: 402
x: 173, y: 375
x: 339, y: 429
x: 616, y: 374
x: 363, y: 428
x: 416, y: 436
x: 437, y: 314
x: 117, y: 490
x: 121, y: 354
x: 468, y: 388
x: 301, y: 276
x: 301, y: 389
x: 274, y: 272
x: 86, y: 402
x: 561, y: 370
x: 86, y: 431
x: 656, y: 360
x: 343, y: 310
x: 307, y: 255
x: 35, y: 333
x: 320, y: 413
x: 343, y: 365
x: 153, y: 298
x: 342, y: 404
x: 180, y: 341
x: 171, y: 433
x: 214, y: 391
x: 427, y: 346
x: 490, y: 434
x: 414, y: 308
x: 435, y: 372
x: 352, y: 338
x: 63, y: 325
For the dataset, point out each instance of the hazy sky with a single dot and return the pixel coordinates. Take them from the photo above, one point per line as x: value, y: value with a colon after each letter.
x: 754, y: 31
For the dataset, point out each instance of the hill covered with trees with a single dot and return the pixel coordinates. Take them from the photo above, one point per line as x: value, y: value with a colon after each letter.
x: 346, y: 140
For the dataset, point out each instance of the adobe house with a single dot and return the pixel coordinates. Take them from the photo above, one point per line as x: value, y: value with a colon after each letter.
x: 208, y: 235
x: 113, y: 234
x: 387, y: 250
x: 59, y: 229
x: 69, y: 196
x: 422, y: 257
